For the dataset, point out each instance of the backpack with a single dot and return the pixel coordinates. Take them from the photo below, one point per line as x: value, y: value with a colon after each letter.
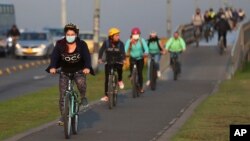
x: 130, y: 47
x: 158, y: 44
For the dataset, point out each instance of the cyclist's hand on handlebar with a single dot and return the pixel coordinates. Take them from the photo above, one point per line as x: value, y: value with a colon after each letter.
x: 100, y: 61
x: 52, y: 71
x: 86, y: 71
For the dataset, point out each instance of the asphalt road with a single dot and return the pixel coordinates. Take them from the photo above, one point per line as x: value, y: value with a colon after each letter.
x: 146, y: 118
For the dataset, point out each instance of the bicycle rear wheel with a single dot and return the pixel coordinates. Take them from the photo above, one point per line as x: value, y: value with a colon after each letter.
x: 134, y: 83
x: 67, y: 116
x: 115, y: 92
x: 110, y: 92
x: 75, y: 118
x: 153, y: 75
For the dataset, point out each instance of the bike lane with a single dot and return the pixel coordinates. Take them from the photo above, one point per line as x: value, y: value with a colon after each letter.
x: 148, y: 117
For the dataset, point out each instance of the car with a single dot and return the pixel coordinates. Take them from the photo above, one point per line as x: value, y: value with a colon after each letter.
x: 56, y: 33
x: 88, y: 37
x: 34, y: 43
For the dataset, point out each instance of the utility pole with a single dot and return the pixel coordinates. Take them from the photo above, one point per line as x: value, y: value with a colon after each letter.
x: 63, y: 13
x: 96, y: 32
x: 169, y: 18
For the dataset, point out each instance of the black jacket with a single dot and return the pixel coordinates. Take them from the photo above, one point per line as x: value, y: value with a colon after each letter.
x: 222, y: 26
x: 118, y: 52
x: 60, y: 47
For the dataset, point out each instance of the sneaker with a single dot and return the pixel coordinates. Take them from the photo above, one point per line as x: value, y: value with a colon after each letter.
x: 158, y: 74
x: 121, y: 85
x: 60, y: 121
x: 105, y: 99
x: 141, y: 90
x: 148, y: 83
x: 84, y: 102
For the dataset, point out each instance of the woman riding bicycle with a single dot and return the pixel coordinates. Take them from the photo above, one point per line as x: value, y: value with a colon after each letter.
x: 137, y: 48
x: 174, y: 45
x: 72, y: 56
x: 155, y: 50
x: 113, y: 48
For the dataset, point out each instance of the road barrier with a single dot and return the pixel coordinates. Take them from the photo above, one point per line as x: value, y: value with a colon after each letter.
x: 9, y: 70
x: 240, y: 53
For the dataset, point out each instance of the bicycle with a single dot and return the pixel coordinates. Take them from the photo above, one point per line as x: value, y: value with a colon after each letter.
x: 197, y: 34
x: 71, y: 107
x: 135, y: 81
x: 152, y: 73
x: 175, y: 64
x: 112, y: 86
x: 221, y: 45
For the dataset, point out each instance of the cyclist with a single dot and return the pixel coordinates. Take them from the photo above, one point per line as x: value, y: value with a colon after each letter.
x: 13, y: 34
x: 137, y: 48
x: 222, y: 26
x: 198, y: 20
x: 175, y: 44
x: 112, y: 47
x: 155, y: 50
x: 241, y: 14
x: 72, y: 56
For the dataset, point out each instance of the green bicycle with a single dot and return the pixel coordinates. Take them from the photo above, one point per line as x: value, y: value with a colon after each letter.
x: 71, y: 107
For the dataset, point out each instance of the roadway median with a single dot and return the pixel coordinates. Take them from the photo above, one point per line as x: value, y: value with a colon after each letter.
x: 20, y: 67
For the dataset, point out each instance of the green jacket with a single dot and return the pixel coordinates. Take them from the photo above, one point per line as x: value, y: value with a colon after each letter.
x: 175, y: 45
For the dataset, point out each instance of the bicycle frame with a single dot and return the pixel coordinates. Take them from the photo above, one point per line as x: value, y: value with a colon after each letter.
x: 153, y: 73
x: 175, y: 64
x: 221, y: 45
x: 112, y: 87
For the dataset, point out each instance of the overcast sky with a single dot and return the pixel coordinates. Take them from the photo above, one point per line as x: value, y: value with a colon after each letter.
x: 125, y: 14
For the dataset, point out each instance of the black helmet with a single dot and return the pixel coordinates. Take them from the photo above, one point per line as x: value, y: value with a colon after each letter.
x: 71, y: 26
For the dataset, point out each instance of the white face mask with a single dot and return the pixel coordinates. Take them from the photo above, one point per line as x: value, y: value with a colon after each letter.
x: 136, y: 36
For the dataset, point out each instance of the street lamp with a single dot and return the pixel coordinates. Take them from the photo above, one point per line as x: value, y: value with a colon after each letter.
x: 169, y: 18
x: 96, y: 32
x: 63, y: 13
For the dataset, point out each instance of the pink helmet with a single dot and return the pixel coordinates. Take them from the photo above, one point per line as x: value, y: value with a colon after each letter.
x: 136, y: 30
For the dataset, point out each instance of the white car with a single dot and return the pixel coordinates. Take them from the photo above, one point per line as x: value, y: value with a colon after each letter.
x: 38, y: 44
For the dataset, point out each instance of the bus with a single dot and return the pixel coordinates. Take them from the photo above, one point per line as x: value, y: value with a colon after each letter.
x: 7, y: 18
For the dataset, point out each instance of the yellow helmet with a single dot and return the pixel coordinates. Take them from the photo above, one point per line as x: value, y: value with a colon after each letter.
x: 113, y: 31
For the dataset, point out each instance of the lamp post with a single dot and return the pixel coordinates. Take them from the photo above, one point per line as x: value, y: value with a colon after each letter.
x: 63, y: 13
x: 96, y: 32
x: 169, y: 18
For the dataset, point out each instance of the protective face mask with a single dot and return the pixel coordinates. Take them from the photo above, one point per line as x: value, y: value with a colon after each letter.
x: 70, y: 39
x: 136, y: 36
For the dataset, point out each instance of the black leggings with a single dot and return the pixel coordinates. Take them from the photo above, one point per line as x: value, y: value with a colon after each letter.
x: 118, y: 68
x: 139, y: 65
x: 80, y: 81
x: 224, y: 35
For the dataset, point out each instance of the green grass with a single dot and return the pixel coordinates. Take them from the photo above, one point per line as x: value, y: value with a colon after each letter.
x: 230, y: 105
x: 35, y: 109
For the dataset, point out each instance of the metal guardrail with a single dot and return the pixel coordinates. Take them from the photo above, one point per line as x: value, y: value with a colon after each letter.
x: 240, y: 53
x: 187, y: 33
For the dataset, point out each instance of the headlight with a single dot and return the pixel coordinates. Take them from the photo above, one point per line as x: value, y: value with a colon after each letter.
x: 18, y: 46
x: 43, y: 46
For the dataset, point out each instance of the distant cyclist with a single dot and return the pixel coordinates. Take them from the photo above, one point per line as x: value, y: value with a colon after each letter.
x: 71, y: 55
x: 13, y: 35
x: 137, y: 48
x: 197, y: 20
x: 222, y: 26
x: 175, y: 44
x: 113, y: 45
x: 155, y: 50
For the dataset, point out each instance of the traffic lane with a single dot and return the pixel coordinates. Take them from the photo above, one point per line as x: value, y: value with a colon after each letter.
x: 25, y: 81
x: 138, y: 119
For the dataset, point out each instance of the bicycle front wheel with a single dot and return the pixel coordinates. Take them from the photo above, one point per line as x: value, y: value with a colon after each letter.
x: 134, y: 83
x: 110, y: 92
x: 75, y: 118
x: 67, y: 116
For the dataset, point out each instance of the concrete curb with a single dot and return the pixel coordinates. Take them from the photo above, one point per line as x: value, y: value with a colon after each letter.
x: 20, y: 67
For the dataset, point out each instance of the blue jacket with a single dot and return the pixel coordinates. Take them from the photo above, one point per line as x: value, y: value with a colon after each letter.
x: 60, y: 47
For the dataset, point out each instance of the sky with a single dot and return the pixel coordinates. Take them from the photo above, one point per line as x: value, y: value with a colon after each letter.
x: 148, y: 15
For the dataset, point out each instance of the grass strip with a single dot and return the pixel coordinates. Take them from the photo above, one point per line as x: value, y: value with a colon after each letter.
x: 35, y: 109
x: 211, y: 119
